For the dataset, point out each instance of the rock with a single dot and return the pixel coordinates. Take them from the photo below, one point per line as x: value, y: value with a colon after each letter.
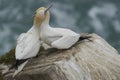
x: 92, y: 59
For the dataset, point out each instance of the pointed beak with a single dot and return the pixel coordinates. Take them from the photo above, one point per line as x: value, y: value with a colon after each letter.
x: 48, y: 8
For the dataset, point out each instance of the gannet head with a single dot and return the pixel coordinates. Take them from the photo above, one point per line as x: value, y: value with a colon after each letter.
x: 42, y: 14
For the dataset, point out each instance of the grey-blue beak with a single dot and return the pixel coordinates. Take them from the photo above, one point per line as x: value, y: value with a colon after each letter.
x: 48, y: 8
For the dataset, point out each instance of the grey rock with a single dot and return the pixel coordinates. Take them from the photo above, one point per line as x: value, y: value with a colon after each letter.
x: 89, y: 59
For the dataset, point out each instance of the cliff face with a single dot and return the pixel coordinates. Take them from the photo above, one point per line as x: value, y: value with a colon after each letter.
x: 92, y: 59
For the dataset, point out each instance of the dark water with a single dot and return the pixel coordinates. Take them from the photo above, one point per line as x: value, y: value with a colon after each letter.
x: 91, y: 16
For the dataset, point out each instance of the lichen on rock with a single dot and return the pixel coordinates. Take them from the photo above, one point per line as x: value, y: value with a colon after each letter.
x: 8, y: 58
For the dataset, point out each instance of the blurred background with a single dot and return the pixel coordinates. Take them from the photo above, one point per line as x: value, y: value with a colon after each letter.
x: 90, y: 16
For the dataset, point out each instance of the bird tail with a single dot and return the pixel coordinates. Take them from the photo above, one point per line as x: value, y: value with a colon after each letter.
x: 17, y: 63
x: 84, y: 36
x: 20, y: 67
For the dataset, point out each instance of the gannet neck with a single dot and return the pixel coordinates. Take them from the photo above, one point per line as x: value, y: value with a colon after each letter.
x: 37, y: 21
x: 47, y: 18
x: 45, y: 24
x: 35, y: 31
x: 36, y: 28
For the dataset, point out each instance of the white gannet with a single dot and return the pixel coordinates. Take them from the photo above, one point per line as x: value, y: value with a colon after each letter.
x: 28, y: 45
x: 59, y: 38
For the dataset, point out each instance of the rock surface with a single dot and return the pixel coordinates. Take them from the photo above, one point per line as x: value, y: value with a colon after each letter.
x: 92, y: 59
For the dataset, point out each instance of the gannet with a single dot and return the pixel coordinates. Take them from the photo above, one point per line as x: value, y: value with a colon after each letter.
x: 59, y: 38
x: 28, y: 45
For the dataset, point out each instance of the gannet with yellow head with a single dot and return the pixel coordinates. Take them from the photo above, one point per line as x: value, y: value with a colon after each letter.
x: 59, y: 38
x: 28, y: 45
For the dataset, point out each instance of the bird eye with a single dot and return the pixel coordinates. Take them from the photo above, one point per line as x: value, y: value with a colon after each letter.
x: 42, y: 12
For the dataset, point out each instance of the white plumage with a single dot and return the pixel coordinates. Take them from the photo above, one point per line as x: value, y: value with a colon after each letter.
x: 28, y: 44
x: 59, y: 38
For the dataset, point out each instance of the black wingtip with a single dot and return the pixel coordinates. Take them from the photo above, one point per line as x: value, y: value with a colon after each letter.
x: 17, y: 63
x: 84, y: 37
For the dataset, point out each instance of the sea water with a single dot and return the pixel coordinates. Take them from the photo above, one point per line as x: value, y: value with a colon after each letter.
x: 91, y: 16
